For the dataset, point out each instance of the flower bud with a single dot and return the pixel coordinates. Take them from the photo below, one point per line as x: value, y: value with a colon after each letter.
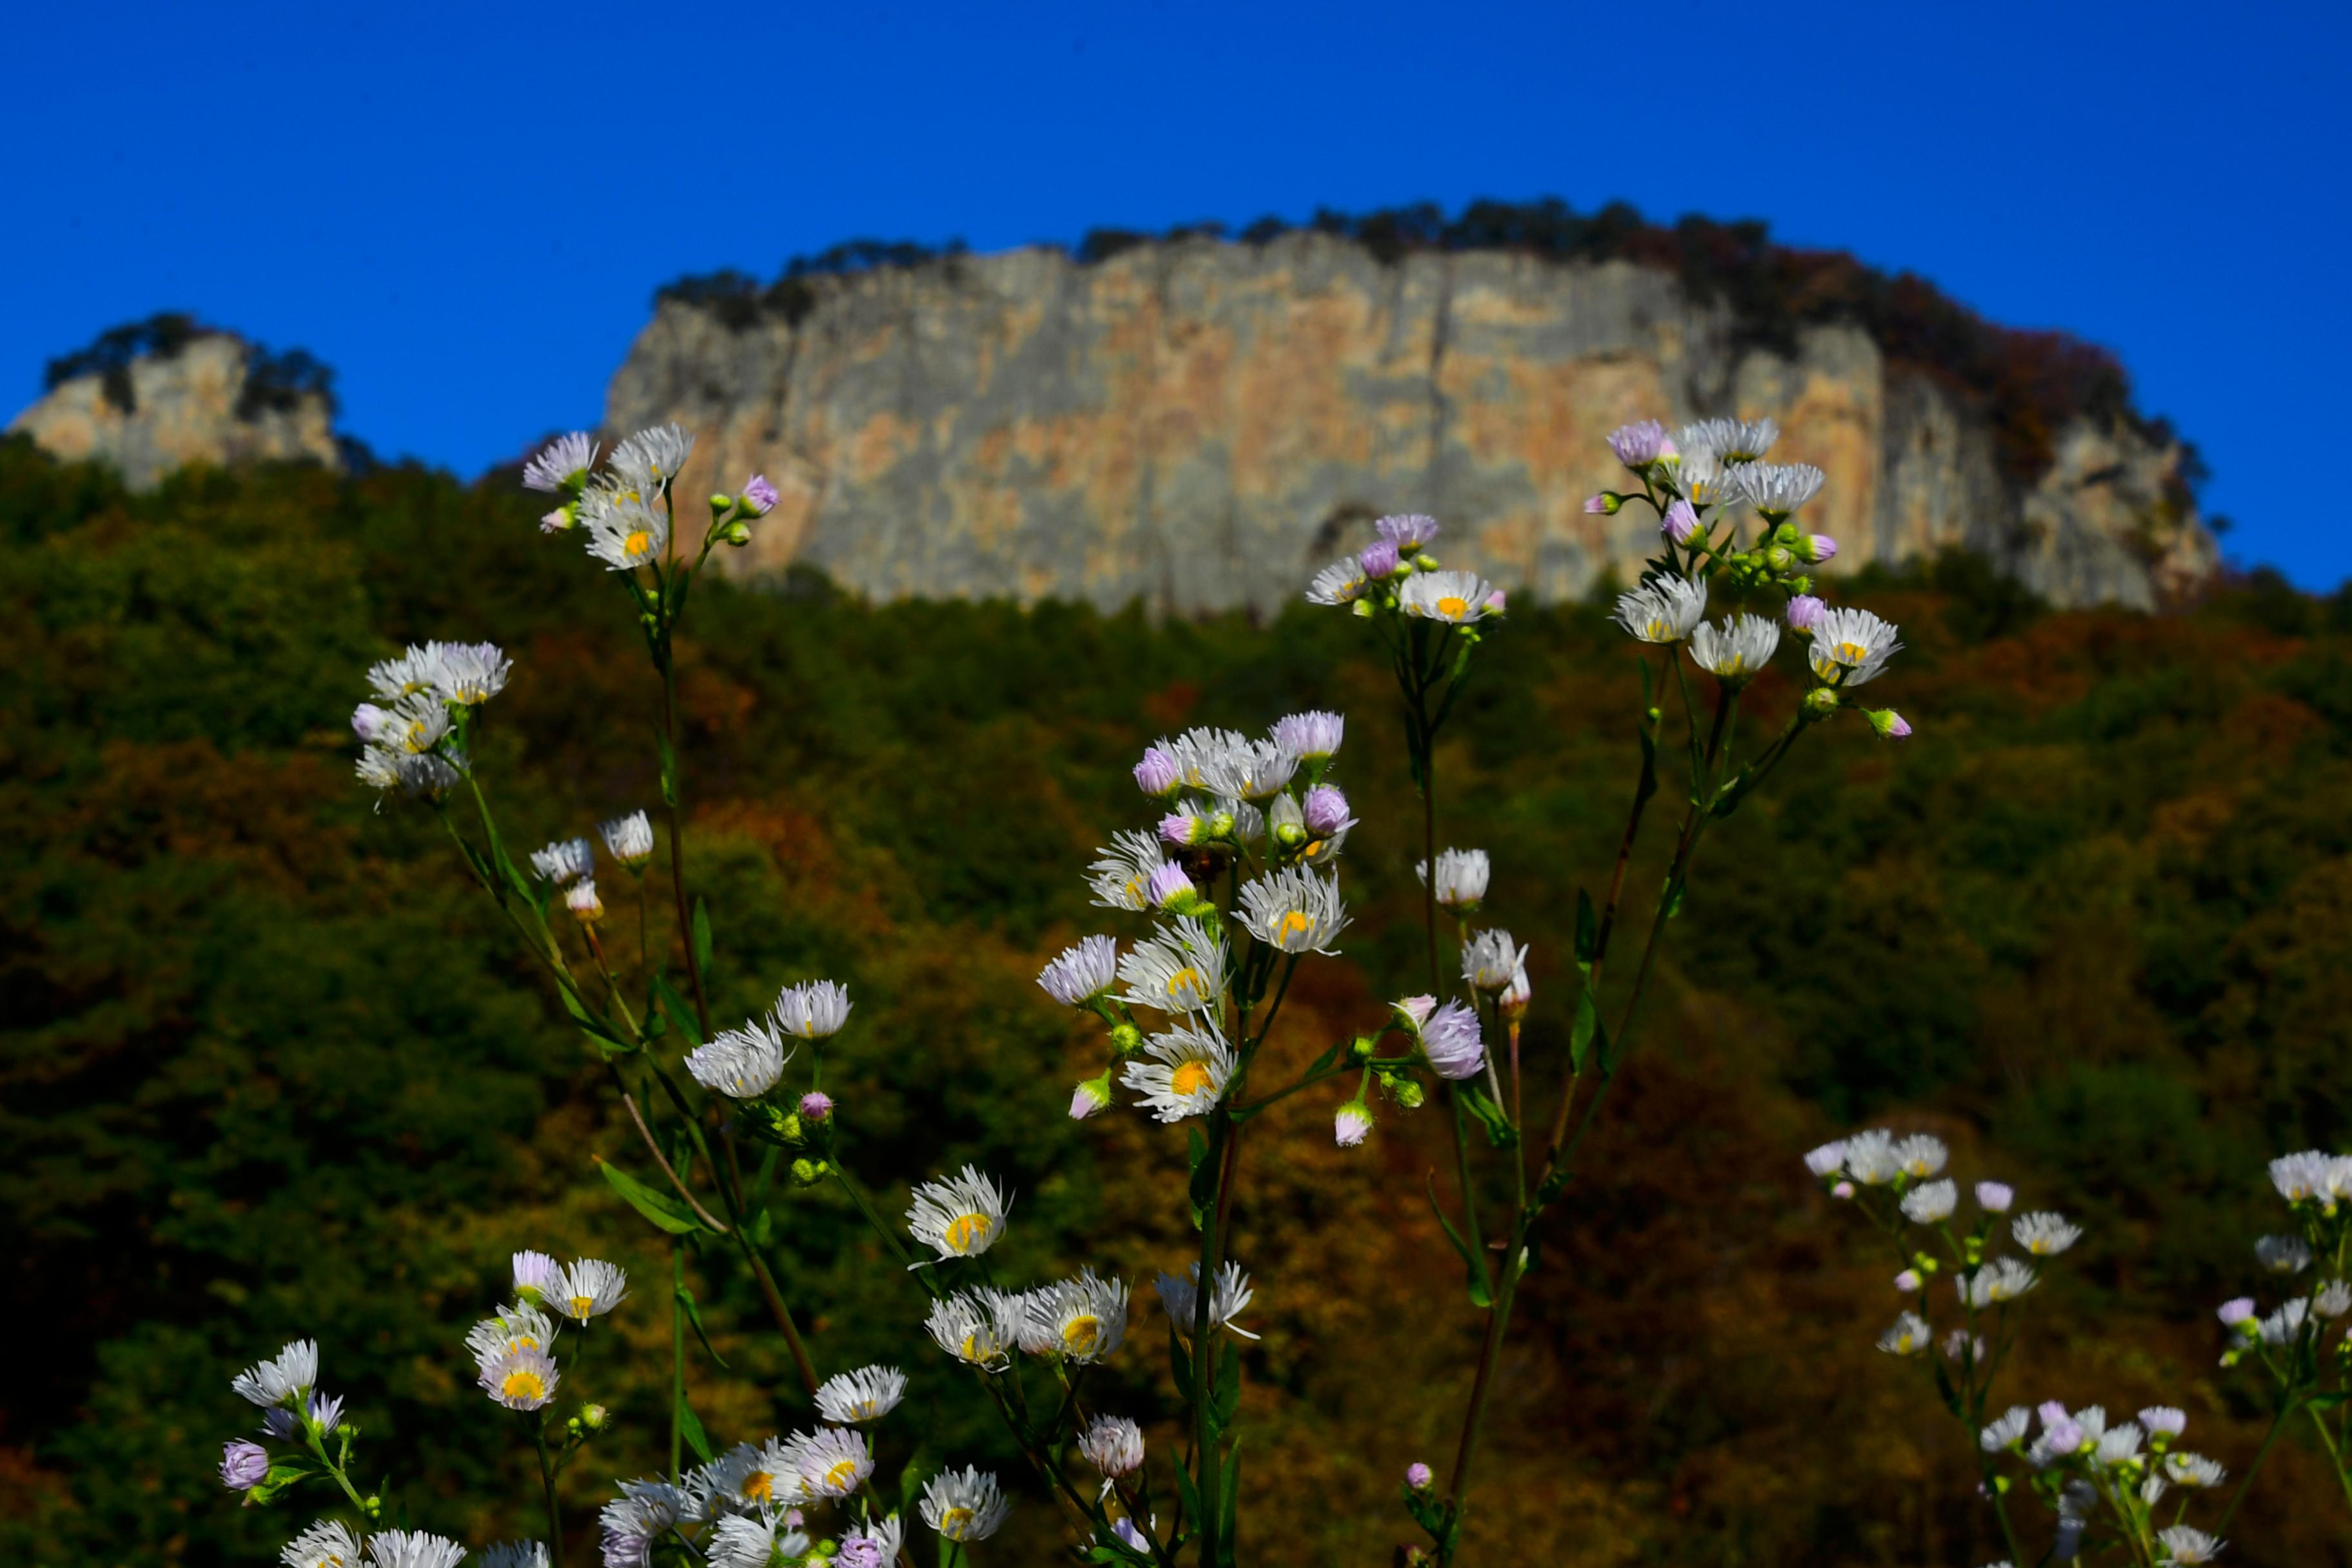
x: 1090, y: 1097
x: 594, y: 1417
x: 1890, y: 725
x: 758, y: 495
x: 559, y: 520
x: 1352, y: 1125
x: 738, y: 534
x: 1126, y: 1039
x: 816, y: 1105
x: 1907, y: 1281
x: 1418, y: 1476
x: 2236, y: 1311
x: 1680, y: 523
x: 807, y: 1173
x: 1605, y: 504
x: 1379, y: 559
x: 243, y: 1465
x: 721, y: 504
x: 1817, y: 547
x: 1780, y: 558
x: 1994, y: 1197
x: 582, y: 900
x: 788, y: 1128
x: 1805, y: 613
x: 1821, y: 701
x: 1408, y: 1093
x: 1361, y: 1049
x: 1326, y: 811
x: 1843, y: 1190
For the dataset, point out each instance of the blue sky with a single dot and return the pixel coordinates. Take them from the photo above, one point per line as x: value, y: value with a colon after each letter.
x: 465, y: 209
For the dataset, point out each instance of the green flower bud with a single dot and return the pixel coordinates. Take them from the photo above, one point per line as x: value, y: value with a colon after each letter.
x: 738, y: 533
x: 1126, y: 1039
x: 1408, y: 1093
x: 1361, y: 1048
x: 807, y: 1173
x: 1785, y: 534
x: 594, y: 1417
x: 789, y: 1128
x: 720, y: 504
x: 1821, y: 701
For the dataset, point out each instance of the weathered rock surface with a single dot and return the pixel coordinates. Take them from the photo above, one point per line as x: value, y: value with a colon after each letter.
x: 188, y: 407
x: 1198, y: 425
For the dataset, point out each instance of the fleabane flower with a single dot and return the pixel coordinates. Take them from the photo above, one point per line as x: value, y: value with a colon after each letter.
x: 1462, y: 876
x: 1870, y: 1158
x: 975, y: 1327
x: 283, y: 1378
x: 1805, y: 613
x: 1776, y: 489
x: 412, y: 1549
x: 1663, y: 610
x: 1737, y: 650
x: 1729, y: 440
x: 2186, y: 1544
x: 2166, y: 1421
x: 1640, y: 444
x: 873, y: 1544
x: 1490, y: 960
x: 1849, y: 646
x: 2002, y: 1279
x: 758, y: 495
x: 964, y: 1505
x: 1410, y: 532
x: 629, y: 839
x: 1909, y: 1336
x: 1121, y: 876
x: 521, y: 1379
x: 470, y: 674
x: 812, y: 1010
x: 329, y: 1543
x: 243, y: 1465
x: 1294, y: 910
x: 624, y: 532
x: 581, y: 899
x: 1324, y: 812
x: 561, y: 465
x: 2282, y: 1254
x: 1456, y: 598
x: 522, y: 1327
x: 1450, y: 1037
x: 1341, y: 582
x: 1352, y: 1124
x: 1920, y: 1155
x: 1091, y: 1097
x: 744, y: 1541
x: 831, y: 1463
x: 1158, y: 774
x: 564, y: 860
x: 536, y: 1275
x: 1930, y: 1202
x: 591, y: 1288
x: 741, y: 1064
x: 1081, y: 1319
x: 1826, y: 1161
x: 652, y: 459
x: 416, y: 672
x: 1994, y: 1197
x: 1183, y: 970
x: 961, y: 1216
x: 2007, y: 1430
x: 1182, y: 1073
x: 2186, y: 1469
x: 1112, y: 1444
x: 2044, y: 1235
x: 1180, y: 1297
x: 2284, y: 1326
x: 1680, y: 522
x: 1311, y: 737
x: 1379, y: 559
x: 1082, y: 973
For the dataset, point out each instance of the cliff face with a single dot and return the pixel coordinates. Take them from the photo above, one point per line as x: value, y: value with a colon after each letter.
x: 1200, y: 426
x: 193, y: 405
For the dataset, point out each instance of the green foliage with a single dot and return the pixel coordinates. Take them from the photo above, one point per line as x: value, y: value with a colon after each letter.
x: 272, y: 1068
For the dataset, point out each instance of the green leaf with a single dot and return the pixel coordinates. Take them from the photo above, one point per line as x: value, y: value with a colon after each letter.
x: 689, y: 1426
x: 1673, y: 896
x: 1225, y: 1399
x: 668, y: 770
x: 694, y: 1316
x: 584, y: 1019
x: 761, y: 1229
x: 922, y: 1466
x: 1227, y: 1502
x: 1500, y: 1133
x: 2328, y: 1401
x: 701, y: 934
x: 665, y: 1211
x: 1588, y: 931
x: 1188, y: 1496
x: 1482, y: 1294
x: 675, y: 1006
x: 1585, y: 1031
x: 1324, y: 1060
x: 1180, y: 1362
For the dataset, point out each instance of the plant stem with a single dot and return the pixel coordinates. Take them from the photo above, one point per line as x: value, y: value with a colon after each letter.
x: 2262, y: 1456
x: 676, y: 1355
x: 547, y: 1489
x: 677, y: 836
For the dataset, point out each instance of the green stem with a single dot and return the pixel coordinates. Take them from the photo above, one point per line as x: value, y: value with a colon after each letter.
x: 2261, y: 1456
x: 676, y: 1357
x: 547, y: 1489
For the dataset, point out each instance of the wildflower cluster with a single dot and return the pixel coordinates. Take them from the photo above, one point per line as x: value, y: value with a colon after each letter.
x: 2302, y: 1343
x: 2107, y: 1484
x: 414, y: 735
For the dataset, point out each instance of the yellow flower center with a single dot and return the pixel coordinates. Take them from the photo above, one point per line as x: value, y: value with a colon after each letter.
x: 972, y: 1350
x: 1453, y: 608
x: 954, y: 1522
x: 582, y: 1305
x: 1655, y: 629
x: 524, y: 1384
x: 758, y: 1487
x: 1849, y: 652
x: 1294, y: 924
x: 1185, y: 980
x: 638, y: 544
x: 841, y: 1476
x: 1080, y: 1335
x: 966, y: 1231
x: 1190, y: 1078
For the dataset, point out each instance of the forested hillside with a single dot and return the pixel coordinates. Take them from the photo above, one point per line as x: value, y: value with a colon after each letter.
x: 272, y: 1068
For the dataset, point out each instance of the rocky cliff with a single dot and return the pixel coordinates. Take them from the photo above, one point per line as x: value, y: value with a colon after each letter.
x: 1198, y: 425
x: 164, y: 393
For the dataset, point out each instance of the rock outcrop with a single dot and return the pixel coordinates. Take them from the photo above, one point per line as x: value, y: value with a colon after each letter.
x: 1200, y: 425
x: 209, y: 397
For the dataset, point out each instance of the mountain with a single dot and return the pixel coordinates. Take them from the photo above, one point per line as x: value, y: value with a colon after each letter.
x: 1197, y: 423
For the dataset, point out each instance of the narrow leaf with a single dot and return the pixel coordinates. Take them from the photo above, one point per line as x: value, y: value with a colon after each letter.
x: 1188, y: 1496
x: 1227, y: 1502
x: 1585, y: 1031
x: 1226, y: 1400
x: 664, y: 1211
x: 675, y: 1006
x: 1481, y: 1294
x: 1180, y: 1362
x: 694, y: 1316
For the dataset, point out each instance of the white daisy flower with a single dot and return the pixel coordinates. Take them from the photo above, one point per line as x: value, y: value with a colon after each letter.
x: 325, y: 1544
x: 2002, y: 1279
x: 1490, y: 960
x: 1994, y: 1197
x: 743, y: 1541
x: 637, y: 1518
x: 1827, y: 1160
x: 2189, y: 1545
x: 1931, y: 1202
x: 2282, y: 1254
x: 1456, y: 598
x: 1729, y: 440
x: 975, y: 1327
x: 563, y: 860
x: 1776, y: 489
x: 1081, y: 1319
x: 2007, y: 1430
x: 471, y: 673
x: 2284, y: 1326
x: 2164, y: 1420
x: 512, y: 1329
x: 1113, y: 1444
x: 582, y: 900
x: 814, y: 1010
x: 1920, y: 1155
x: 591, y: 1288
x: 866, y: 1395
x: 1450, y: 1037
x: 1183, y: 970
x: 515, y: 1555
x: 521, y: 1379
x: 415, y: 726
x: 1850, y: 646
x: 964, y: 1505
x: 1120, y: 876
x: 1738, y: 651
x: 961, y: 1216
x: 2300, y: 1176
x: 283, y: 1378
x: 1180, y: 1297
x: 1311, y: 737
x: 741, y: 1064
x: 2189, y: 1470
x: 1909, y: 1336
x: 2118, y: 1446
x: 830, y: 1463
x: 652, y: 459
x: 416, y: 672
x: 1294, y: 910
x: 1082, y: 973
x: 629, y: 839
x: 412, y: 1549
x: 1706, y: 481
x: 1870, y: 1158
x: 2335, y: 1299
x: 562, y: 464
x: 1664, y: 610
x: 1180, y: 1073
x: 1461, y: 879
x: 747, y: 1478
x: 2044, y: 1235
x: 624, y: 532
x: 1341, y: 582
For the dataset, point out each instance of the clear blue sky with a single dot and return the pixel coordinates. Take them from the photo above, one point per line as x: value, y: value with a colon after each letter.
x: 466, y: 208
